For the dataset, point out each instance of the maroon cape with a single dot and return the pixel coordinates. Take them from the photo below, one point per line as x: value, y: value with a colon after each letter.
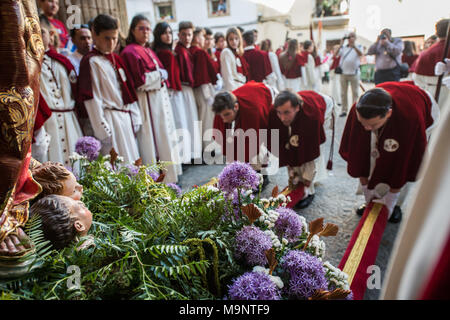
x: 205, y: 70
x: 317, y: 61
x: 335, y: 63
x: 411, y: 116
x: 85, y: 78
x: 293, y: 69
x: 186, y: 64
x: 217, y: 54
x: 258, y: 65
x: 255, y: 101
x: 170, y: 63
x: 427, y: 59
x: 139, y: 60
x: 307, y: 126
x: 43, y: 113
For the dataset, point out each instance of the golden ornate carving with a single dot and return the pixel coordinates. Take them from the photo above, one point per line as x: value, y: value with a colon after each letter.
x: 20, y: 109
x: 35, y: 46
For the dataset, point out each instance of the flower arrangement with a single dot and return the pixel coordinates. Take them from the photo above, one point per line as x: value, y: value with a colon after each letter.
x: 187, y: 245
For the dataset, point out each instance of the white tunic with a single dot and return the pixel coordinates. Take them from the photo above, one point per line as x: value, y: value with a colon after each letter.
x: 279, y: 83
x: 157, y: 137
x: 191, y: 125
x: 311, y: 80
x: 75, y: 57
x: 429, y: 84
x: 232, y: 79
x: 62, y: 127
x: 204, y: 95
x: 110, y: 118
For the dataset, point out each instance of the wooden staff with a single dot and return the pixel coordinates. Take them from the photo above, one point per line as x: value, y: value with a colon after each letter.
x: 439, y: 83
x: 361, y: 86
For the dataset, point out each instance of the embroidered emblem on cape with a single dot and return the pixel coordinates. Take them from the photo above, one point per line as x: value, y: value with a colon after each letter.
x: 391, y: 145
x: 294, y: 141
x: 72, y: 77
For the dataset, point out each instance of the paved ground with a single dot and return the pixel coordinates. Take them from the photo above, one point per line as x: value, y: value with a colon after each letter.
x: 335, y: 201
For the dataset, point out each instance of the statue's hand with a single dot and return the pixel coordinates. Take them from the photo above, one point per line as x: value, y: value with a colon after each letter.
x: 15, y: 243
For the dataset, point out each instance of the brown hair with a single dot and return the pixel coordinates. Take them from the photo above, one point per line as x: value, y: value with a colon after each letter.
x: 185, y: 25
x: 441, y: 28
x: 287, y: 58
x: 266, y: 45
x: 57, y: 221
x: 50, y: 176
x: 240, y: 49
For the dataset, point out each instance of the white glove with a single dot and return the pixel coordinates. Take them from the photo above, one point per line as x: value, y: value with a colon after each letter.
x: 136, y: 128
x: 219, y: 83
x: 441, y: 67
x: 164, y: 74
x: 389, y: 200
x: 368, y: 194
x: 446, y: 82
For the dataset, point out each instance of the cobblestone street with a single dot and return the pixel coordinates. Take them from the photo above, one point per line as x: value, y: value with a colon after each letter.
x: 335, y: 201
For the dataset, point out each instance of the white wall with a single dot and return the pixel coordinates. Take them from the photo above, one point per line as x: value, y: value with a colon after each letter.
x: 243, y: 13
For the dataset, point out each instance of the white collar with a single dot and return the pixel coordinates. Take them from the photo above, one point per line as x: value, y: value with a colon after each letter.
x: 249, y: 48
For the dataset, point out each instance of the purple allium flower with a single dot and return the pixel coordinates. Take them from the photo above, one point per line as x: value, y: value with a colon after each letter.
x: 288, y: 224
x: 153, y: 175
x: 251, y: 244
x: 89, y: 147
x: 254, y: 286
x: 238, y: 175
x: 132, y: 170
x: 307, y: 274
x: 175, y: 188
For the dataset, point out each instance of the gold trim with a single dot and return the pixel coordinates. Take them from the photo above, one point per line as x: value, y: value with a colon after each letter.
x: 355, y: 256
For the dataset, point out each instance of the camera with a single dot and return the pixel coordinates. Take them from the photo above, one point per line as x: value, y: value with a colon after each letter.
x: 345, y: 37
x: 383, y: 36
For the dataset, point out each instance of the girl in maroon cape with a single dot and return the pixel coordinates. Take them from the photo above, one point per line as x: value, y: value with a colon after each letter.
x: 157, y: 137
x: 163, y: 42
x: 233, y: 66
x: 291, y: 64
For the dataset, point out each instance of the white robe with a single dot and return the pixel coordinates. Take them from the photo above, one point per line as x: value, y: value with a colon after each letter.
x: 278, y: 78
x: 429, y: 84
x: 232, y: 79
x: 157, y: 136
x: 204, y: 95
x: 191, y: 124
x: 106, y: 120
x: 62, y: 127
x: 310, y: 74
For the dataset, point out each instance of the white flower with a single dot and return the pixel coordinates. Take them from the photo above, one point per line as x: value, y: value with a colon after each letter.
x: 277, y: 280
x: 285, y: 241
x: 120, y: 159
x: 76, y: 156
x: 107, y: 157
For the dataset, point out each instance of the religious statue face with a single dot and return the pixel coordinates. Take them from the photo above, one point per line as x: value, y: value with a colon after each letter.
x: 106, y: 41
x: 71, y: 188
x: 142, y: 32
x: 286, y: 112
x: 374, y: 123
x: 186, y: 36
x: 81, y: 215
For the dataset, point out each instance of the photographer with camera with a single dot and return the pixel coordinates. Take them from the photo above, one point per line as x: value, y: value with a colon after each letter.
x: 348, y: 68
x: 388, y: 54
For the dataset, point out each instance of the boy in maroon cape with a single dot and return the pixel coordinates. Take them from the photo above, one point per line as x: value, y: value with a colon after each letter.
x: 246, y: 108
x: 107, y: 90
x: 300, y: 119
x: 385, y: 138
x: 258, y: 61
x: 184, y: 58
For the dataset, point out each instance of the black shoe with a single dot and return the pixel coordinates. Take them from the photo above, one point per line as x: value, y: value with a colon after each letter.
x: 360, y: 210
x: 302, y: 204
x: 396, y: 216
x: 343, y: 114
